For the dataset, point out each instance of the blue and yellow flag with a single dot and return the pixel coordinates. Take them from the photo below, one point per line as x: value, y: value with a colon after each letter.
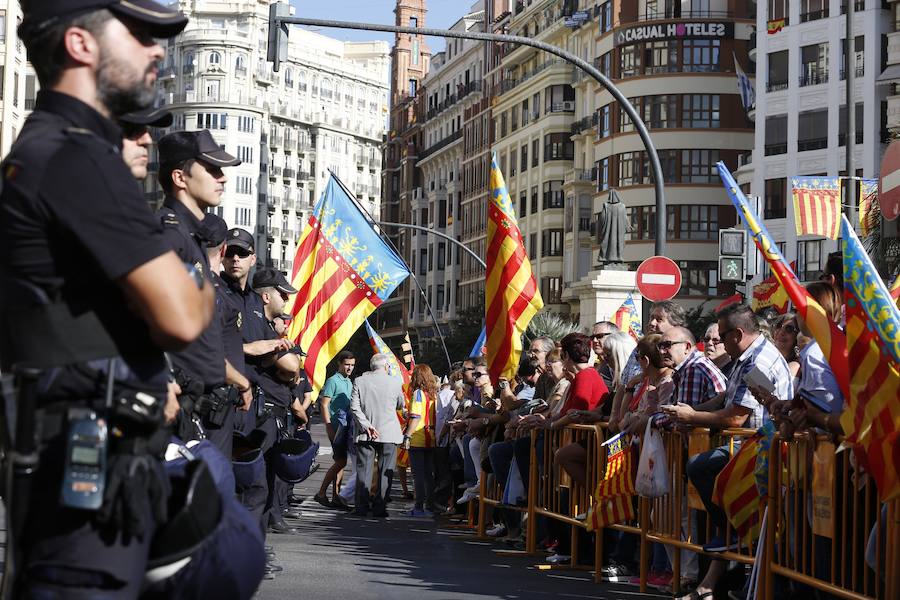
x: 627, y: 318
x: 343, y: 271
x: 831, y: 339
x: 871, y: 418
x: 395, y: 368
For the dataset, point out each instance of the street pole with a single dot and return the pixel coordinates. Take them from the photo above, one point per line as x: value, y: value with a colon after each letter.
x: 850, y: 67
x: 277, y: 21
x: 439, y: 234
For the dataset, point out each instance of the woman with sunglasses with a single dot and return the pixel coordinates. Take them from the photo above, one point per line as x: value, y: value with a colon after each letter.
x: 714, y: 348
x: 785, y: 332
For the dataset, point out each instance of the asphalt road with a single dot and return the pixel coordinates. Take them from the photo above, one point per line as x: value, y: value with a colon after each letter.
x: 343, y: 557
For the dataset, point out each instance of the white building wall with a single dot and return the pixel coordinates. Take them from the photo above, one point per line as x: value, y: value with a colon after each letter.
x: 873, y: 24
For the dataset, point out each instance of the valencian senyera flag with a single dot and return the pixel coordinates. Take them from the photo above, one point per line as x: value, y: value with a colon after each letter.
x: 895, y: 290
x: 395, y: 367
x: 817, y: 205
x: 871, y: 418
x: 831, y: 339
x: 742, y: 486
x: 613, y: 498
x: 408, y: 359
x: 868, y: 207
x: 343, y: 271
x: 511, y: 293
x: 627, y: 318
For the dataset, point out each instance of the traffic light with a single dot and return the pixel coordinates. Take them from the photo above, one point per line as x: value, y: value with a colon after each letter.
x: 278, y: 34
x: 733, y: 255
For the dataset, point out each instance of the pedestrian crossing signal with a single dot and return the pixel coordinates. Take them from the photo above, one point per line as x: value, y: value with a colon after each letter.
x: 733, y: 255
x: 277, y: 49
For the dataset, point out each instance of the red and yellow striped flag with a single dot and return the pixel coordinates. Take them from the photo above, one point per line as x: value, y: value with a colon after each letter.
x: 343, y: 271
x: 831, y: 339
x: 871, y: 418
x: 736, y: 491
x: 868, y: 206
x: 817, y: 205
x: 895, y: 290
x: 511, y: 294
x: 613, y: 498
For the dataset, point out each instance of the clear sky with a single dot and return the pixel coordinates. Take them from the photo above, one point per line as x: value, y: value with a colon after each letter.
x: 441, y: 13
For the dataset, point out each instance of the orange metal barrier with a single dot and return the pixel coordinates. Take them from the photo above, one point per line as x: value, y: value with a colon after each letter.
x: 820, y: 515
x: 823, y: 510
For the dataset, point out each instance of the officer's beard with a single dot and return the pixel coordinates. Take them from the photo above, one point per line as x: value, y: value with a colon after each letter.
x: 119, y: 90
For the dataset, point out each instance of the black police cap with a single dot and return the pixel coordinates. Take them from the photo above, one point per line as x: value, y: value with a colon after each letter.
x: 164, y: 22
x: 180, y: 146
x: 240, y: 238
x: 269, y: 277
x: 214, y: 230
x: 150, y: 117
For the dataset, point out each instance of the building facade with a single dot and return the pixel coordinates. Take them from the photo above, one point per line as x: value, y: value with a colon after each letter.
x: 451, y: 89
x: 675, y: 64
x: 18, y: 84
x: 801, y: 111
x: 324, y: 111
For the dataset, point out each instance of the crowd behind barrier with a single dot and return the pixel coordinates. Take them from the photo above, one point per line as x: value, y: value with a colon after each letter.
x: 824, y: 534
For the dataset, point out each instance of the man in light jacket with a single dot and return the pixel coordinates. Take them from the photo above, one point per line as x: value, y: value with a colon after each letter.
x: 374, y: 402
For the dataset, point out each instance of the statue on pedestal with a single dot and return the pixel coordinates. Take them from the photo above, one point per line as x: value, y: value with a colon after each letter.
x: 613, y: 225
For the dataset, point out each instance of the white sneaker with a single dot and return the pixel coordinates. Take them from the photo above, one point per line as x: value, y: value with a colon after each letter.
x: 496, y: 531
x: 556, y: 559
x: 468, y: 496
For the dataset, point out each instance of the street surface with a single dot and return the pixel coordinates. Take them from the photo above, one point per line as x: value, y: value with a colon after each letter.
x: 340, y: 556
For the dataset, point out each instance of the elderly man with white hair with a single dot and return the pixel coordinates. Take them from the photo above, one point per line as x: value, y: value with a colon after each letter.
x: 374, y: 402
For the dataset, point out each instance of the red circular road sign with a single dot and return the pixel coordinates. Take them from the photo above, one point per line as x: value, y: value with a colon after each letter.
x: 889, y: 183
x: 659, y: 278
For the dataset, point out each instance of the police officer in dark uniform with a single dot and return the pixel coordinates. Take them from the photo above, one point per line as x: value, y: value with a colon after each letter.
x: 92, y: 296
x: 191, y: 176
x: 136, y: 138
x: 276, y: 377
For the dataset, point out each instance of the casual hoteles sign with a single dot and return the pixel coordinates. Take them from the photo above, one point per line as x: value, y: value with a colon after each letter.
x: 665, y: 31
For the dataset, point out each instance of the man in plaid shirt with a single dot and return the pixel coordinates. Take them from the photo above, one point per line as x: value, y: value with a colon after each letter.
x: 697, y: 379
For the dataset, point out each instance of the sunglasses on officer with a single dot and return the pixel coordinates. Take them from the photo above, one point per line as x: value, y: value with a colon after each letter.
x: 233, y: 251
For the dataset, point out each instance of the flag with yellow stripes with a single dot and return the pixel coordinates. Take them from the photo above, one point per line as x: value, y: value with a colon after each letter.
x: 871, y: 418
x: 343, y: 271
x: 511, y: 294
x: 817, y: 205
x: 613, y: 498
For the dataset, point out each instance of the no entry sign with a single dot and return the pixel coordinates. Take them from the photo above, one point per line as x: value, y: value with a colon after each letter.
x: 659, y: 278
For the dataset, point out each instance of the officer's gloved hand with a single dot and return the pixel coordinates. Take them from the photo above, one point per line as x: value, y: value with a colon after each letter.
x: 137, y: 492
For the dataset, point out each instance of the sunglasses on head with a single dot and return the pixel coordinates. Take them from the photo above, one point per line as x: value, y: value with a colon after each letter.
x: 233, y: 251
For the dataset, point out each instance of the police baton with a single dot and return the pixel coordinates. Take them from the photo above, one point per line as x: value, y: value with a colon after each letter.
x: 21, y: 462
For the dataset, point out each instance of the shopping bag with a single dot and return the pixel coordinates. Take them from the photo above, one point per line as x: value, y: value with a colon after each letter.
x: 514, y: 490
x: 653, y: 469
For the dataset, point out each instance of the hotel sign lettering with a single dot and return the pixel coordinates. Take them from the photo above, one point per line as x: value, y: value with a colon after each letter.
x: 667, y: 31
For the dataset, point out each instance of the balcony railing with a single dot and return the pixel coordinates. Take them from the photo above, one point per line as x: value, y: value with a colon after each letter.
x: 568, y: 106
x: 812, y: 144
x: 774, y: 86
x: 668, y: 15
x: 813, y: 76
x: 858, y: 5
x: 288, y: 173
x: 443, y: 143
x: 814, y: 15
x: 773, y: 149
x: 775, y: 212
x: 842, y: 137
x: 859, y: 71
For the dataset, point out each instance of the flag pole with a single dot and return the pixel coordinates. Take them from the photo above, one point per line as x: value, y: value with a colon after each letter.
x: 377, y: 229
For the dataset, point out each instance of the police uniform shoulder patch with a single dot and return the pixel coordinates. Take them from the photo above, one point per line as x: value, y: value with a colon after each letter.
x: 199, y: 266
x: 240, y: 319
x: 171, y: 219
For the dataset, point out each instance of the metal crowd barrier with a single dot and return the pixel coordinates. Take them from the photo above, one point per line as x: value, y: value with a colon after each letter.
x: 821, y: 514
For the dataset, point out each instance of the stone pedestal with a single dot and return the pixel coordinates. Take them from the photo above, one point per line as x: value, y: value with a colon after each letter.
x: 602, y: 292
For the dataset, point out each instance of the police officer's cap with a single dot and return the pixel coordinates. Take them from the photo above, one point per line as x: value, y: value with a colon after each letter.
x: 213, y: 230
x: 180, y: 146
x: 269, y: 277
x: 164, y: 22
x: 149, y: 117
x: 240, y: 238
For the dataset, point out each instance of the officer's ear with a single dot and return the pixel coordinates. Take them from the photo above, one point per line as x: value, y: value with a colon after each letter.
x: 82, y: 46
x: 179, y: 179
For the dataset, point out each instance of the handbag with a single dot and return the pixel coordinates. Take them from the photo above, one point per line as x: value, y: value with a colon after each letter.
x: 653, y: 468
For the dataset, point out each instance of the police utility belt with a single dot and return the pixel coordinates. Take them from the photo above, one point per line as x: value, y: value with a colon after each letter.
x: 215, y: 404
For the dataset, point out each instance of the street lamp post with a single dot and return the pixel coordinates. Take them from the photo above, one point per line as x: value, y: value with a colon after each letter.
x: 278, y: 20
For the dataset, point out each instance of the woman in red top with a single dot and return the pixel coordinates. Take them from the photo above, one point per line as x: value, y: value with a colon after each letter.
x: 587, y: 390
